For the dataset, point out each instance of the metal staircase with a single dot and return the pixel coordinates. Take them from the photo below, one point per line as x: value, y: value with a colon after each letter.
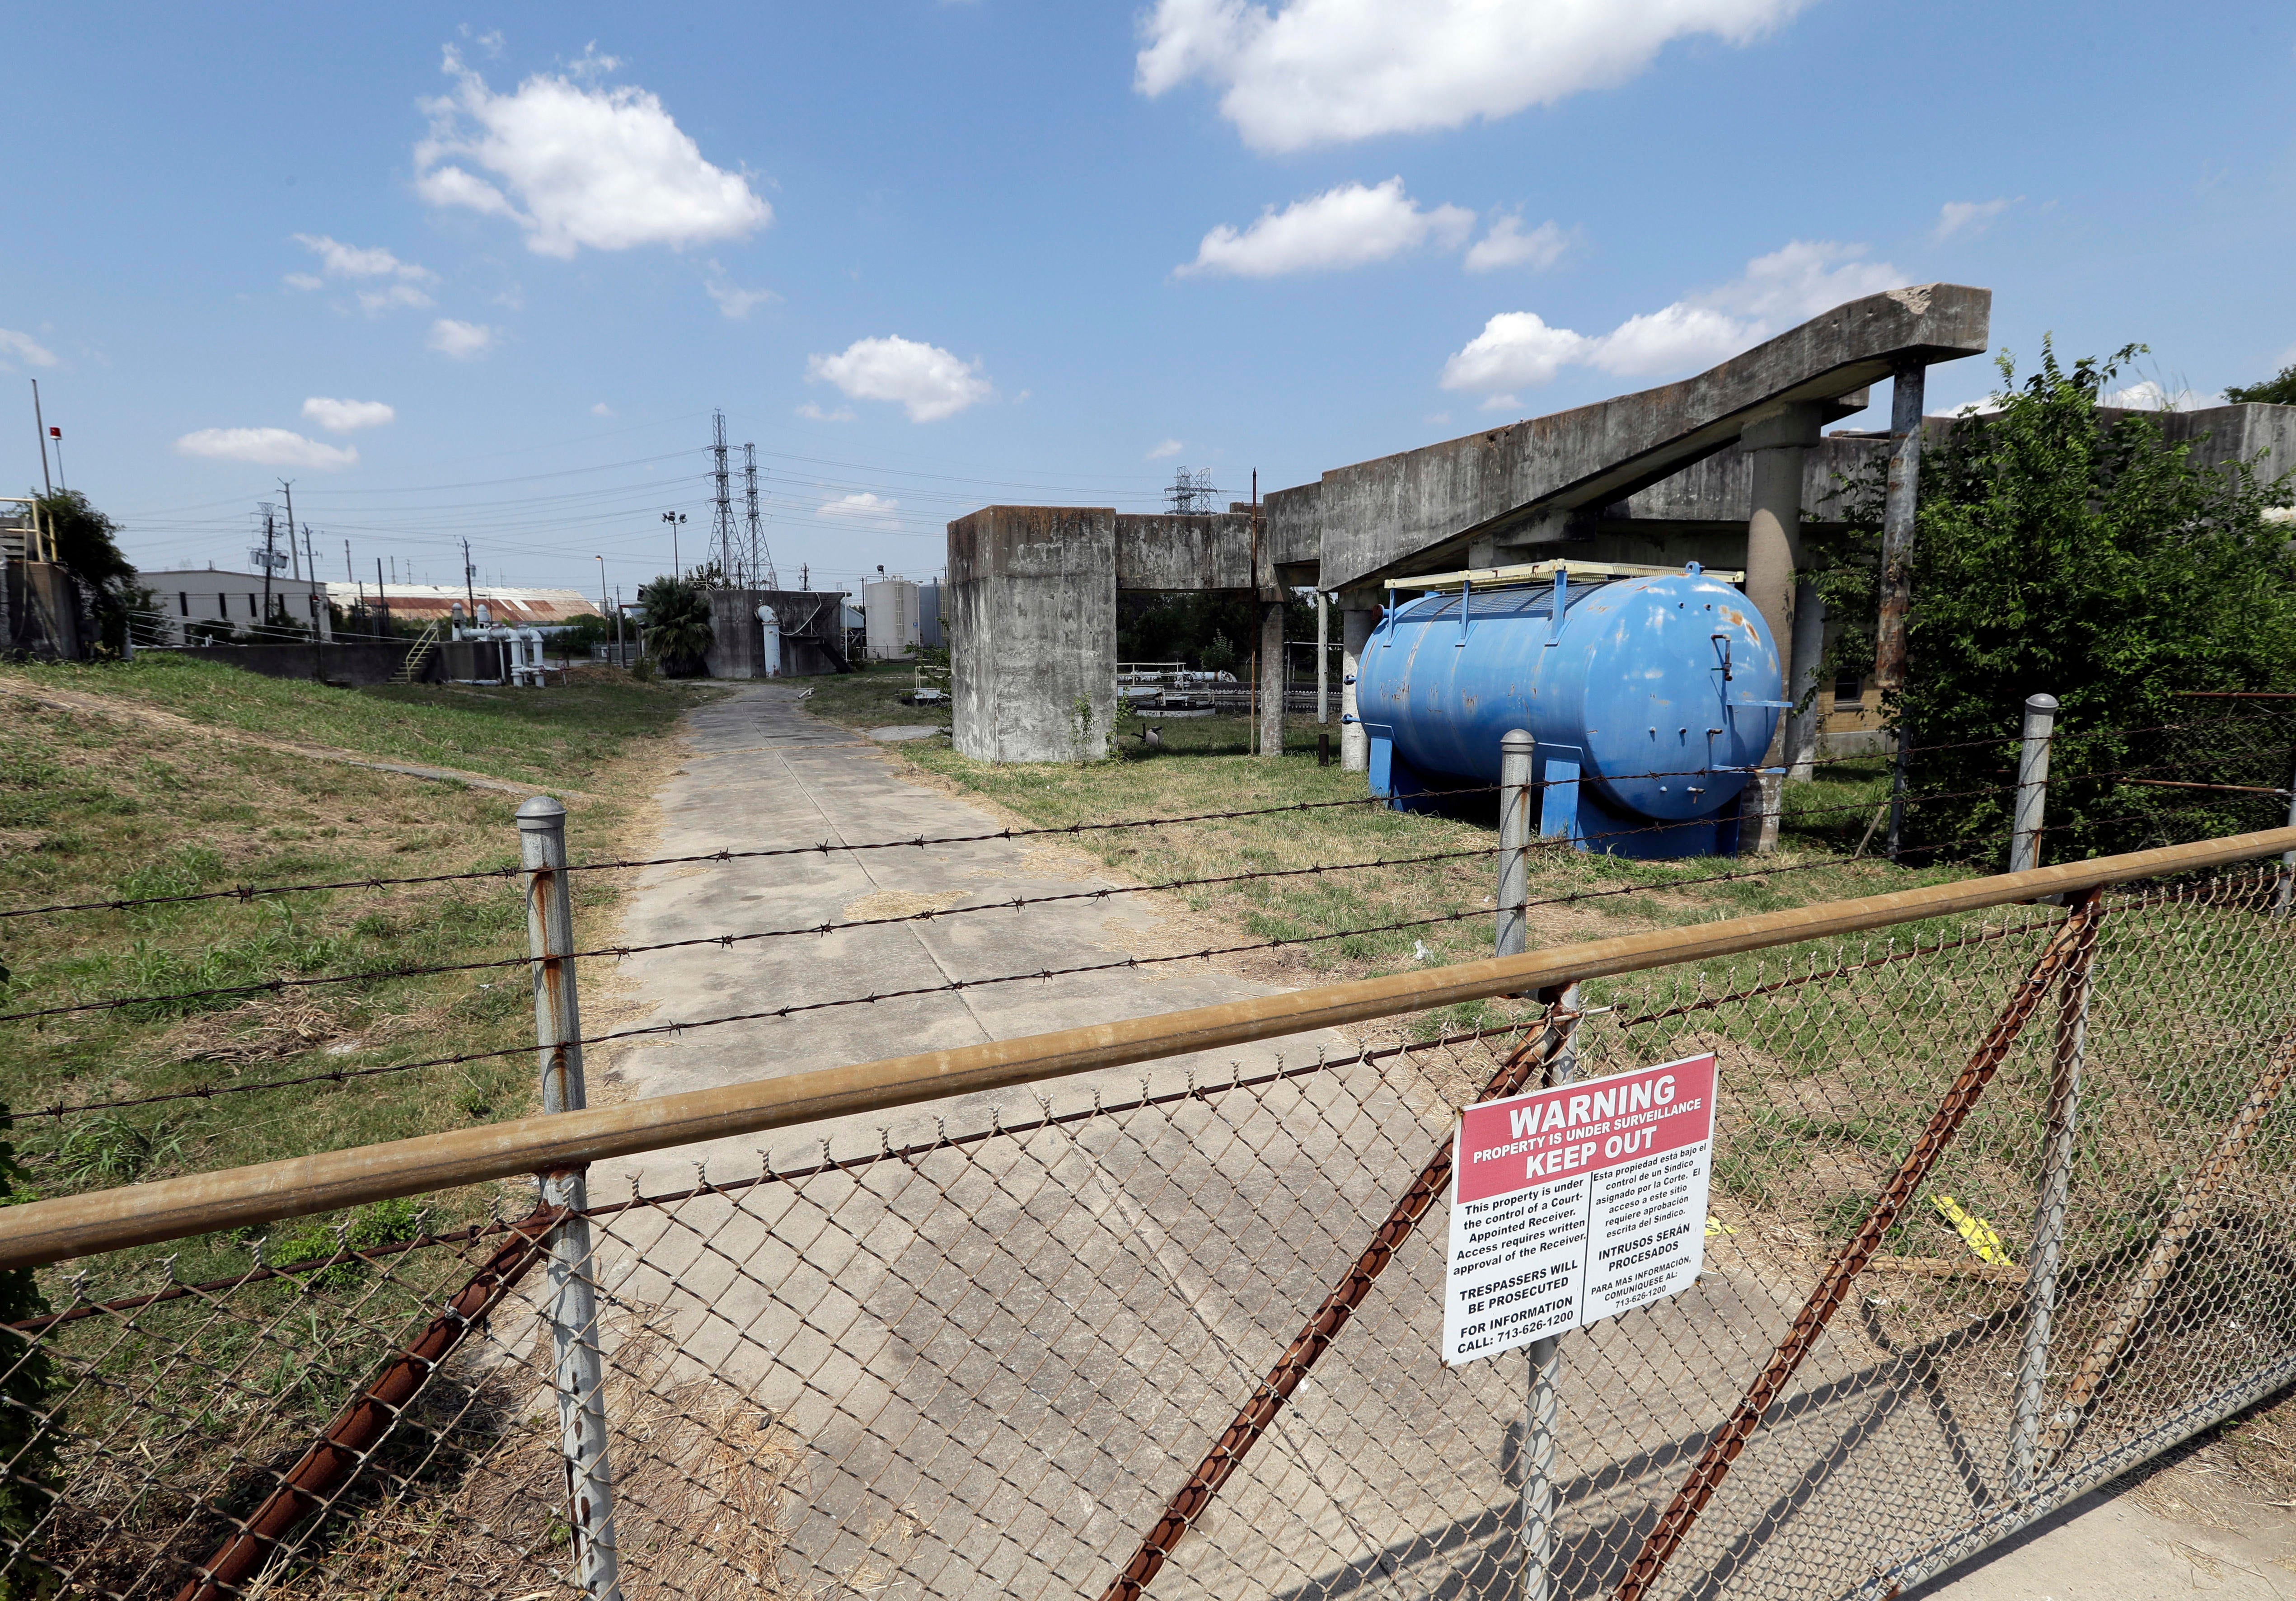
x: 418, y: 657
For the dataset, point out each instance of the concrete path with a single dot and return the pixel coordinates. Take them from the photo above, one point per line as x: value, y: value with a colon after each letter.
x: 995, y: 1359
x: 762, y: 773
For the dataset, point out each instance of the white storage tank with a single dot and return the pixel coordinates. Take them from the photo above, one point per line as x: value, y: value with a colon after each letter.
x: 890, y: 606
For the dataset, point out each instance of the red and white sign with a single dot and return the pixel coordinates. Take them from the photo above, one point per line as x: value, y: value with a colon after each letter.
x: 1575, y: 1203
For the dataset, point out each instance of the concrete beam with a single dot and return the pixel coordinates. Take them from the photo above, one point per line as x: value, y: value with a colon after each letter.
x: 1205, y: 551
x: 1419, y: 511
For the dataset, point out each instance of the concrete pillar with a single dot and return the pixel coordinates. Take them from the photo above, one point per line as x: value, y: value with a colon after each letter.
x: 1355, y: 638
x: 1774, y: 560
x: 1032, y: 607
x: 1808, y: 647
x: 1272, y: 677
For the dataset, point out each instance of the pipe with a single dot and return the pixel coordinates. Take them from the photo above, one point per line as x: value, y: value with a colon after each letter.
x: 46, y: 1231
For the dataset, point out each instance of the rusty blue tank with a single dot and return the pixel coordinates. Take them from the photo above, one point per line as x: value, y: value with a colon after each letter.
x: 1653, y: 700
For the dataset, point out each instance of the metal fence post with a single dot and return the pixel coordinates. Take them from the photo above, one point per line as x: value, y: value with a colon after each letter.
x: 2032, y: 781
x: 1542, y: 1399
x: 577, y: 1365
x: 2049, y: 1213
x: 2287, y: 862
x: 1512, y: 931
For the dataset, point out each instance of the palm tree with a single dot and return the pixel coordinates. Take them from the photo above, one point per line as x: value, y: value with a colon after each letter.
x: 677, y: 629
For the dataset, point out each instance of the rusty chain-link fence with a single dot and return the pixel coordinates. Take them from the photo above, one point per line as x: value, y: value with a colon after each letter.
x: 986, y: 1352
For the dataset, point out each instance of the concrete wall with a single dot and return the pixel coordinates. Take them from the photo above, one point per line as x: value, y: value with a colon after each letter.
x: 1032, y: 619
x: 737, y: 646
x: 45, y: 618
x: 1207, y: 551
x: 359, y: 663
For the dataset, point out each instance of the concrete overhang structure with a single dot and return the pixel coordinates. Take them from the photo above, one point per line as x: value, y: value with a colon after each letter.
x: 1715, y: 468
x: 1506, y: 494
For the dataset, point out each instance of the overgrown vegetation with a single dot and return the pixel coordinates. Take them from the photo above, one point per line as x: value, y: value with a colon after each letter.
x: 677, y: 631
x: 104, y: 794
x: 2056, y: 551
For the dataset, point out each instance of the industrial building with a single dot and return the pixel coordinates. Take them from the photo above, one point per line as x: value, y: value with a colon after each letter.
x: 232, y: 602
x: 436, y: 603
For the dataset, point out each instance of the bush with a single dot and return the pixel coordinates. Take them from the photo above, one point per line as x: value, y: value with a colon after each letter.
x: 2098, y: 563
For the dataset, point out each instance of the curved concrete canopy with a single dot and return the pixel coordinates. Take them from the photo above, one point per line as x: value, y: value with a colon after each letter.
x: 1421, y: 510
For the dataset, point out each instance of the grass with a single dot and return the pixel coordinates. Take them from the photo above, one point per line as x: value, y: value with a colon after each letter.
x: 111, y: 802
x: 1204, y: 765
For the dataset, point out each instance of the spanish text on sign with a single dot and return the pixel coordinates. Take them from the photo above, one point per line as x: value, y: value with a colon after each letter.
x: 1575, y: 1203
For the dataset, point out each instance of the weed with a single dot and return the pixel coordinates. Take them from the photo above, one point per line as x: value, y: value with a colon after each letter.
x: 109, y: 1150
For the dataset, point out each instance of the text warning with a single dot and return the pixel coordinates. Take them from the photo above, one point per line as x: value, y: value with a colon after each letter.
x: 1575, y: 1203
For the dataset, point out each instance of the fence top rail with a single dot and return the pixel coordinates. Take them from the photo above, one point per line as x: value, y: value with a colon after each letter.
x: 48, y: 1231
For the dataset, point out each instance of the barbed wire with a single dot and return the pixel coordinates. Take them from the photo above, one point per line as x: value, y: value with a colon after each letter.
x: 344, y: 1075
x: 726, y: 941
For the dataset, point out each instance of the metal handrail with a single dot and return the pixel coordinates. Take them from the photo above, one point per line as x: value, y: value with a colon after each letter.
x: 48, y: 1231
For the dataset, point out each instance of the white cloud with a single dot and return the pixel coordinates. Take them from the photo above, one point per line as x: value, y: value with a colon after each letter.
x: 1954, y: 216
x: 1438, y: 419
x: 24, y: 348
x: 577, y: 166
x: 266, y: 447
x: 1350, y: 225
x: 1320, y: 71
x: 461, y: 341
x: 305, y: 280
x: 737, y: 303
x: 347, y: 416
x: 1507, y: 245
x: 376, y: 301
x: 1170, y: 447
x: 1776, y: 290
x: 602, y: 410
x: 1515, y: 346
x: 876, y: 511
x: 812, y: 413
x: 926, y: 379
x: 339, y: 260
x: 2152, y: 396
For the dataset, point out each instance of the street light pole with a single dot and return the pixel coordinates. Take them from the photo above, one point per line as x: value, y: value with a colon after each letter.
x: 674, y: 518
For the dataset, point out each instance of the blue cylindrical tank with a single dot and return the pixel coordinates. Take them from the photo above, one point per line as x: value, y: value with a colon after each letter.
x: 1650, y: 704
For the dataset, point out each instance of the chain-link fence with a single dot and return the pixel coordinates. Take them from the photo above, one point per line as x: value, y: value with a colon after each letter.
x: 986, y: 1350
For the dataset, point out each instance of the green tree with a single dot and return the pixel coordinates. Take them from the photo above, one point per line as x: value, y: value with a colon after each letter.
x: 2279, y: 390
x: 86, y: 547
x: 2103, y: 565
x: 677, y: 631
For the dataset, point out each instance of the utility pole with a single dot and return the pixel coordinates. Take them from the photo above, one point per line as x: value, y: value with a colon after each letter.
x: 287, y: 487
x: 57, y: 435
x: 270, y: 529
x: 40, y: 427
x: 724, y: 531
x: 381, y: 597
x: 311, y: 566
x: 761, y: 560
x: 470, y: 592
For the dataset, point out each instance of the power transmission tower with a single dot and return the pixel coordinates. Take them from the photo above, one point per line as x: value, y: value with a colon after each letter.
x: 761, y: 560
x: 1191, y: 492
x: 725, y: 529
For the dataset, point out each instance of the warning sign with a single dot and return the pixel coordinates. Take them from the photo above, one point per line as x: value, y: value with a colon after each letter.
x: 1575, y: 1203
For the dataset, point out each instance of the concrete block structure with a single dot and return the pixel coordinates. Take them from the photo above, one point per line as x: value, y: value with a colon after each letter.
x: 812, y: 638
x: 1721, y: 469
x: 1032, y: 616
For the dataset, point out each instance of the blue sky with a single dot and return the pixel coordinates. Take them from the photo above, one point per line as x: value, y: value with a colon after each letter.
x: 484, y: 273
